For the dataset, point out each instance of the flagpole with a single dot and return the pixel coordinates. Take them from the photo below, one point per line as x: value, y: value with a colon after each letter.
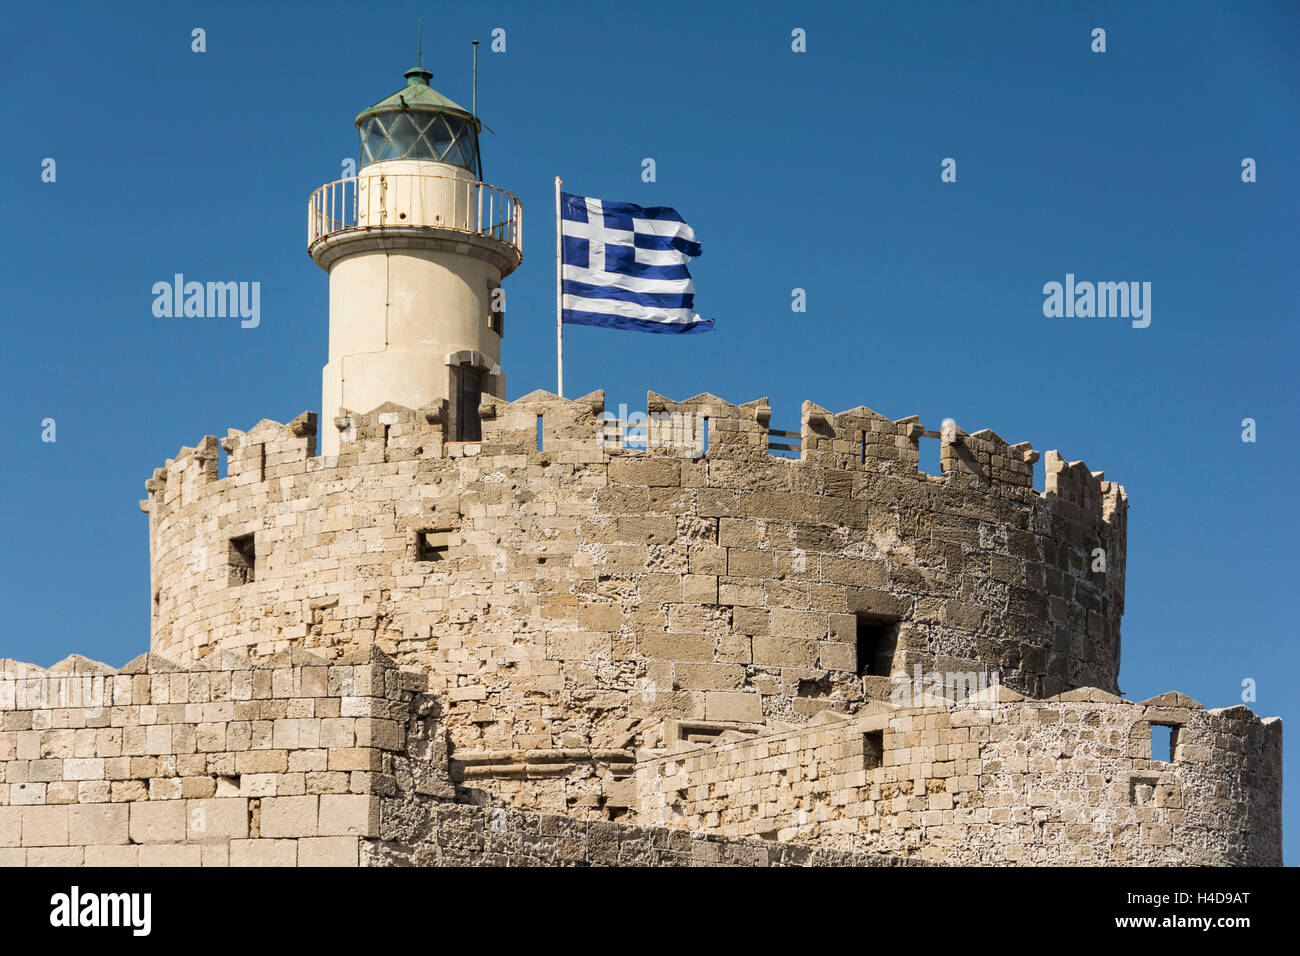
x: 559, y: 300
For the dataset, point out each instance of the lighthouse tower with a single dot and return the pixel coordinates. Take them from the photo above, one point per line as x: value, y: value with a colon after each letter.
x: 416, y: 246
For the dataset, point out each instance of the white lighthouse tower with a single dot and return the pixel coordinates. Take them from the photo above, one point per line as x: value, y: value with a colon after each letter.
x: 415, y: 246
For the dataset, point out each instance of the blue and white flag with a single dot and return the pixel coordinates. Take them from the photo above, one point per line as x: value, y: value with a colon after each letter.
x: 624, y: 267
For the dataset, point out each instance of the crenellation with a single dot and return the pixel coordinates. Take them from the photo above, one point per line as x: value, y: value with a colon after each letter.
x: 858, y: 439
x: 713, y: 426
x: 1073, y: 482
x: 987, y: 457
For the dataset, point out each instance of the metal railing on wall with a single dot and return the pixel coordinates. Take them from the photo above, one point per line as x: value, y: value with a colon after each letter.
x: 787, y: 445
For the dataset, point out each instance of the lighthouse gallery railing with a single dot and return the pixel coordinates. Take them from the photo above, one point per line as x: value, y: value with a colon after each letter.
x: 414, y: 199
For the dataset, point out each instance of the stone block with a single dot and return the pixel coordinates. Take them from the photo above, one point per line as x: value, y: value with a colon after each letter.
x: 218, y: 819
x: 724, y: 705
x: 348, y: 815
x: 158, y: 821
x: 329, y: 851
x: 263, y: 852
x: 102, y: 824
x: 170, y: 854
x: 289, y: 816
x: 45, y: 826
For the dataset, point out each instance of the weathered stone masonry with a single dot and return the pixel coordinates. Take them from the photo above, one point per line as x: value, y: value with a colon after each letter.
x: 222, y: 763
x: 1066, y: 780
x: 544, y: 648
x: 296, y: 762
x: 566, y: 600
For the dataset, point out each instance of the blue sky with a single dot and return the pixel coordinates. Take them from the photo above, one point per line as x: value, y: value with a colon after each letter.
x: 818, y: 170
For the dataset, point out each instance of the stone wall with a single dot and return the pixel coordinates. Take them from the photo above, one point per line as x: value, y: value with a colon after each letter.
x: 303, y: 763
x: 296, y: 763
x: 1069, y: 780
x: 445, y: 834
x: 221, y: 763
x: 567, y: 600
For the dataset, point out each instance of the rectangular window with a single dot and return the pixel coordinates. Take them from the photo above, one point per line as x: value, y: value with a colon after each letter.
x: 242, y: 559
x: 877, y: 641
x: 1164, y: 742
x: 873, y: 749
x: 431, y: 545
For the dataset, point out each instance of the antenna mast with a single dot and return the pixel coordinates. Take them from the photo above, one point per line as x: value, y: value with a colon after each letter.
x: 474, y: 109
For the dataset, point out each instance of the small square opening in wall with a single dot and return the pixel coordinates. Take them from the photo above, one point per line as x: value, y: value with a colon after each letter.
x: 700, y: 735
x: 432, y: 545
x: 242, y: 559
x: 1164, y: 742
x: 873, y: 749
x: 877, y: 639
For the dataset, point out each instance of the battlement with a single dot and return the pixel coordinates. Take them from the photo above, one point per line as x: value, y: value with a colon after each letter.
x: 579, y: 431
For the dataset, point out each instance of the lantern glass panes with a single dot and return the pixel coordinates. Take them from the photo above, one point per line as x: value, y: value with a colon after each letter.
x: 402, y: 134
x: 417, y: 134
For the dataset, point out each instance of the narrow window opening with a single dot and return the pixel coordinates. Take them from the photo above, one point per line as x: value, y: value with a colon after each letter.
x: 242, y: 559
x: 706, y: 733
x: 469, y: 392
x: 862, y: 447
x: 929, y: 454
x: 877, y: 639
x: 701, y: 736
x: 873, y: 749
x: 1164, y: 742
x: 539, y: 432
x: 704, y: 435
x: 431, y: 546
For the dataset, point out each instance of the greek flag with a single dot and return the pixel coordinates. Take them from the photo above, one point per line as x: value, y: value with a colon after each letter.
x: 624, y: 267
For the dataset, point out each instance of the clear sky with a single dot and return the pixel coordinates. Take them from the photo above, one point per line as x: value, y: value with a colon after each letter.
x: 817, y: 170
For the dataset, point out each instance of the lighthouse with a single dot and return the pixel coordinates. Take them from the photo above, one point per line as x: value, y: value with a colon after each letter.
x: 416, y: 246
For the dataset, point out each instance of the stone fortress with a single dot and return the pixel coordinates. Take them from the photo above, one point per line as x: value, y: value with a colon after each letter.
x: 480, y: 631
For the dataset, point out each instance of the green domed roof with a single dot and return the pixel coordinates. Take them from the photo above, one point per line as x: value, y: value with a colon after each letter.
x: 418, y: 122
x: 416, y: 95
